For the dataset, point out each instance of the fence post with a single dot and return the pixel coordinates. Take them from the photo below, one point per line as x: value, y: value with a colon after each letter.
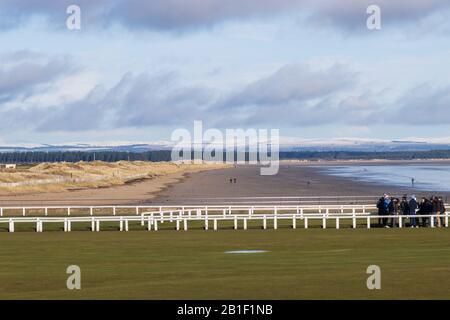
x: 446, y: 219
x: 142, y: 219
x: 354, y: 221
x: 171, y: 216
x: 91, y: 211
x: 155, y: 225
x: 126, y: 224
x: 235, y: 223
x: 185, y: 224
x: 368, y: 222
x: 65, y: 224
x: 114, y: 210
x: 215, y: 224
x: 1, y: 212
x: 337, y: 223
x: 37, y: 225
x: 432, y: 220
x: 11, y: 225
x: 245, y: 224
x: 324, y: 222
x: 46, y: 211
x: 306, y: 222
x: 69, y: 225
x: 294, y: 223
x: 400, y: 221
x: 97, y: 225
x: 23, y: 211
x: 206, y: 223
x: 224, y: 212
x: 275, y: 222
x: 121, y: 224
x: 178, y: 224
x: 93, y: 224
x: 137, y: 210
x: 264, y: 223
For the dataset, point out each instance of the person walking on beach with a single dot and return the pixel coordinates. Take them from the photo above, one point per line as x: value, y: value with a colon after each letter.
x: 412, y: 205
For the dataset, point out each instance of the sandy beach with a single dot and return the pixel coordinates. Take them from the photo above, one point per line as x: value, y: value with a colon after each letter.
x: 295, y: 179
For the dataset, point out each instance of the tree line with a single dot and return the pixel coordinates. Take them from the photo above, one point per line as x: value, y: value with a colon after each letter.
x: 165, y: 155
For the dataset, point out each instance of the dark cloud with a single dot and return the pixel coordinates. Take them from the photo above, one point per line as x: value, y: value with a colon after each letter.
x: 293, y: 96
x: 135, y: 101
x: 24, y: 72
x: 425, y: 105
x: 291, y: 84
x: 351, y: 14
x: 183, y: 15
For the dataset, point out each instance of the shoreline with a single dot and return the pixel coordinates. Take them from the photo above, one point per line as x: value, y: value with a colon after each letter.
x: 211, y: 186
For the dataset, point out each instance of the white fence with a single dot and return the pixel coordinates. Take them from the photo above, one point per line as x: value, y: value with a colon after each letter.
x: 183, y: 210
x: 153, y: 219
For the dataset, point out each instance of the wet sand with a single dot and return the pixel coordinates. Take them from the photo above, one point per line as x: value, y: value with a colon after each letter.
x: 213, y: 187
x: 294, y: 179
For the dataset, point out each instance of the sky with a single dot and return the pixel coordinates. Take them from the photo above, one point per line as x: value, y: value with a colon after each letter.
x: 137, y: 70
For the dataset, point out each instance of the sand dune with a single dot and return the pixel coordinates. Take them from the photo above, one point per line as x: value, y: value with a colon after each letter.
x: 63, y: 176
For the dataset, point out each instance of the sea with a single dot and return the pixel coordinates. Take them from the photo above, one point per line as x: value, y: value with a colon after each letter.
x: 428, y: 177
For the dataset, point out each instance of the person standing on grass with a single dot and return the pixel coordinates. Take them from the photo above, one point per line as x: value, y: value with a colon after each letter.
x: 422, y: 210
x: 441, y: 212
x: 388, y: 210
x: 380, y: 207
x: 404, y: 206
x: 412, y: 205
x: 395, y: 209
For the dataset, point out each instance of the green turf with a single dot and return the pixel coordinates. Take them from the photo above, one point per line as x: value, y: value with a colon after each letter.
x: 299, y: 264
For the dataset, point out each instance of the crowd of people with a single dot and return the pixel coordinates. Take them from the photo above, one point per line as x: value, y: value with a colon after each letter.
x: 390, y: 207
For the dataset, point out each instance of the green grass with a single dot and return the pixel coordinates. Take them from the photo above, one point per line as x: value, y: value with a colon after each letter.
x: 299, y: 264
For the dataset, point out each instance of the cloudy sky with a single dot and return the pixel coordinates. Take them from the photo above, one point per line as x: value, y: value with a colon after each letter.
x: 137, y: 70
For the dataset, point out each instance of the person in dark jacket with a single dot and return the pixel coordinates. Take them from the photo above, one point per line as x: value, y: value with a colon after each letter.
x: 394, y: 211
x: 412, y: 205
x: 404, y: 206
x: 441, y: 212
x: 380, y: 207
x: 388, y: 210
x: 425, y: 208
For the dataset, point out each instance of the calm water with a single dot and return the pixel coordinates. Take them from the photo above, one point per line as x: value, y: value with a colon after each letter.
x: 426, y: 177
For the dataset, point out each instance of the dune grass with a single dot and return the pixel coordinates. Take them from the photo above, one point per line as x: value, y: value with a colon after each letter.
x: 62, y: 176
x: 299, y: 264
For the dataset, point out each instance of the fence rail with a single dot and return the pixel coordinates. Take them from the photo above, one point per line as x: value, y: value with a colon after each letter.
x: 153, y: 219
x: 185, y: 209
